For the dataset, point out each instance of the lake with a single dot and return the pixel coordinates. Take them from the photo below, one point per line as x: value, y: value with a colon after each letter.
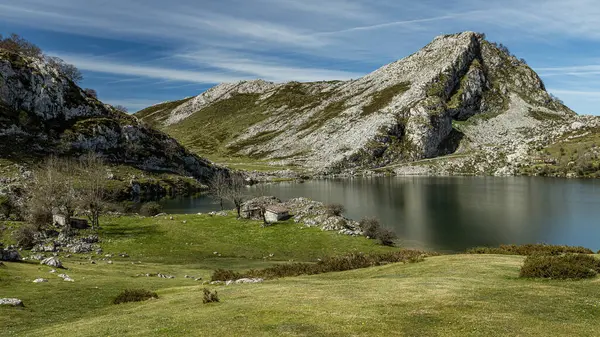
x: 454, y: 213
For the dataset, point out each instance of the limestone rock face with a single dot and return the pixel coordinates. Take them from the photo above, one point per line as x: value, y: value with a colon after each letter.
x: 43, y: 112
x: 460, y: 94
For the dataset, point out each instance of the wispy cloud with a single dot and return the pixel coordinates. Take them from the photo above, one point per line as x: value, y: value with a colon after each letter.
x: 89, y: 63
x: 270, y: 69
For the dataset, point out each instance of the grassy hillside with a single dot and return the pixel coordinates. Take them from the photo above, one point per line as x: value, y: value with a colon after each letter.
x: 456, y: 295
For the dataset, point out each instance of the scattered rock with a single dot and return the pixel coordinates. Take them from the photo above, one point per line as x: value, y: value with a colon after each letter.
x: 217, y: 282
x: 160, y: 214
x: 38, y: 257
x: 249, y: 280
x: 123, y: 255
x: 109, y: 262
x: 52, y: 262
x: 53, y: 271
x: 15, y: 302
x: 40, y: 280
x: 68, y: 279
x: 165, y: 276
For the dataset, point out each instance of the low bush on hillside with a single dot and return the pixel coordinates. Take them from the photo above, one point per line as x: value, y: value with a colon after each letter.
x: 530, y: 249
x: 150, y: 209
x: 134, y: 295
x: 326, y: 265
x: 334, y: 209
x: 210, y: 297
x: 372, y: 229
x: 569, y: 266
x: 25, y: 236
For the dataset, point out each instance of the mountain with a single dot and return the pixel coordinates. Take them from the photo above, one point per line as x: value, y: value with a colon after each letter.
x: 43, y: 112
x: 461, y: 98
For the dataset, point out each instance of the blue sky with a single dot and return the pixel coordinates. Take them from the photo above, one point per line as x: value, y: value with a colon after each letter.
x: 140, y: 52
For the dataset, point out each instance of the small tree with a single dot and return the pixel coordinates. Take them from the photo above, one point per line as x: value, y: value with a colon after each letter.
x: 16, y: 44
x: 334, y: 209
x: 92, y: 193
x: 236, y: 191
x: 121, y: 108
x: 218, y: 186
x: 91, y: 92
x: 68, y: 70
x: 52, y: 189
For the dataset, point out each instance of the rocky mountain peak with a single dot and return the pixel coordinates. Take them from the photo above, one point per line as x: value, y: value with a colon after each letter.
x: 457, y: 94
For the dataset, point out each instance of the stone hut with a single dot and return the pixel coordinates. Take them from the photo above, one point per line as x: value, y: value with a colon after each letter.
x: 275, y: 213
x: 61, y: 221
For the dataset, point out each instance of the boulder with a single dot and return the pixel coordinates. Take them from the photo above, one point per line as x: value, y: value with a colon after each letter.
x: 15, y: 302
x: 249, y: 280
x: 52, y: 262
x: 10, y: 255
x: 40, y: 280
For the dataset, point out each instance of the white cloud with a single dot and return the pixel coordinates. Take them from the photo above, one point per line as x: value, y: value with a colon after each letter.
x: 89, y: 63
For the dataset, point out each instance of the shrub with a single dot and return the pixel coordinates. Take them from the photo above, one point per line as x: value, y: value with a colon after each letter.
x: 386, y: 237
x: 334, y: 209
x: 330, y: 264
x: 134, y: 295
x: 25, y: 236
x: 372, y: 229
x: 569, y: 266
x: 6, y: 206
x: 529, y: 249
x: 369, y: 226
x: 150, y: 209
x: 210, y: 297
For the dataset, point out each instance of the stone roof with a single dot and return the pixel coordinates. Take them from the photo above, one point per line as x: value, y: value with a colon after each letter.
x: 277, y: 209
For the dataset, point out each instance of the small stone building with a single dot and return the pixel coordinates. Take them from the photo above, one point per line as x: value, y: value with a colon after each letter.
x: 61, y: 220
x: 275, y: 213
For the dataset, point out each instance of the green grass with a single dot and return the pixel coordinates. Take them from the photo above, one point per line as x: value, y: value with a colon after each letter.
x: 457, y: 295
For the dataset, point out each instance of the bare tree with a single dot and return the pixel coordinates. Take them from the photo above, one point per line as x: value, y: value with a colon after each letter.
x: 121, y: 108
x: 92, y: 192
x: 16, y: 44
x: 52, y: 189
x: 236, y: 191
x: 91, y: 92
x: 218, y: 186
x: 66, y: 69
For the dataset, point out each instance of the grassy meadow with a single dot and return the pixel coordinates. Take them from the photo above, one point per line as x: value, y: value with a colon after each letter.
x: 451, y: 295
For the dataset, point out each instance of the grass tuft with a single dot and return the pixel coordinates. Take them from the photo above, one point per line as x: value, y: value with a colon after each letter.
x: 134, y: 295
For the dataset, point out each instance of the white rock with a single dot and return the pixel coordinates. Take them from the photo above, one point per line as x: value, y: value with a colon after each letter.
x: 40, y: 280
x: 15, y: 302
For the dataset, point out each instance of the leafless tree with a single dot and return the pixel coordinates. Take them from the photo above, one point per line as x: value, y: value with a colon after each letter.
x: 91, y: 92
x: 121, y: 108
x: 236, y: 191
x: 92, y: 192
x: 52, y: 189
x: 16, y: 44
x: 66, y: 69
x: 218, y: 186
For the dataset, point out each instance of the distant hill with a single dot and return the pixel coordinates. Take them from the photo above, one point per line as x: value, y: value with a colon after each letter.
x: 43, y: 112
x: 461, y: 98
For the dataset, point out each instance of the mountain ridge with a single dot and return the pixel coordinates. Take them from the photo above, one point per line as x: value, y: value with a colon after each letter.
x: 447, y: 98
x: 43, y: 112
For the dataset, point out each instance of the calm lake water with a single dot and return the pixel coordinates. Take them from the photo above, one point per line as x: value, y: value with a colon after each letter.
x: 455, y: 213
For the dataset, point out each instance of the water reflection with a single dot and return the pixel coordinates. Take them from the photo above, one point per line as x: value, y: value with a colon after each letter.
x: 454, y: 213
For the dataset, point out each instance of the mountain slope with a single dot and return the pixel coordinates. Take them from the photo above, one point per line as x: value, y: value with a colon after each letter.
x: 460, y: 94
x: 43, y: 112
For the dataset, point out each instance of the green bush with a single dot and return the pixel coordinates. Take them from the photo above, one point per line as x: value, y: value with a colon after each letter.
x: 150, y: 209
x: 334, y: 209
x: 134, y: 295
x: 326, y: 265
x: 569, y: 266
x: 25, y: 235
x: 530, y: 249
x: 210, y: 297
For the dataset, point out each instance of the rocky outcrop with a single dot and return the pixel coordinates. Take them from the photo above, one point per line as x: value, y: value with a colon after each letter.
x: 43, y: 112
x: 459, y: 95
